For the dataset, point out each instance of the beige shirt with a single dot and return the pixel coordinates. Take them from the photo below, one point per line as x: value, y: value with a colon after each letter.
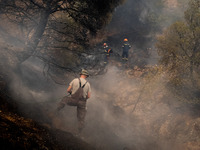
x: 75, y: 85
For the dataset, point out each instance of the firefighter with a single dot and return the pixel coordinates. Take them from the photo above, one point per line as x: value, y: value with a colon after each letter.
x: 125, y: 47
x: 80, y: 91
x: 107, y: 52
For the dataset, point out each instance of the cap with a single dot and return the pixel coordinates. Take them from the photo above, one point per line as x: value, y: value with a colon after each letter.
x: 84, y: 72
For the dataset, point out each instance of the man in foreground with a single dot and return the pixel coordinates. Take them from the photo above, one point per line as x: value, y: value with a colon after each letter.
x: 80, y: 91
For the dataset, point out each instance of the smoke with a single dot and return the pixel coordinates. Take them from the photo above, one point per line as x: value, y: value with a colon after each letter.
x: 140, y: 22
x: 30, y: 85
x: 129, y: 113
x: 109, y: 125
x: 111, y: 122
x: 123, y: 112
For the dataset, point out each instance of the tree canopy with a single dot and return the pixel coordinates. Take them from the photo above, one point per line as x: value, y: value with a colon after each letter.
x: 179, y: 50
x: 51, y: 28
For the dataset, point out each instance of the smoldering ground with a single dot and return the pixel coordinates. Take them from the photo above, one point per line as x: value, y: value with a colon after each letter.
x: 107, y: 125
x: 123, y: 113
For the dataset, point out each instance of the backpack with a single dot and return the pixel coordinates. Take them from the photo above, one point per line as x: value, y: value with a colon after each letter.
x: 78, y: 95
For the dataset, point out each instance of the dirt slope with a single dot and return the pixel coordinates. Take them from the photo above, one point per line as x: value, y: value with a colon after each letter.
x: 22, y: 133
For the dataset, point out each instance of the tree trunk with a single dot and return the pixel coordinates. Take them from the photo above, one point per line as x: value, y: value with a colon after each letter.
x: 36, y: 37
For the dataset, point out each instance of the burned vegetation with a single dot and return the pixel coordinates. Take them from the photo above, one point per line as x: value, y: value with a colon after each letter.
x: 151, y: 101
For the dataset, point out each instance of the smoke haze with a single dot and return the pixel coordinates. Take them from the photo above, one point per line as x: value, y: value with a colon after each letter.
x: 124, y: 112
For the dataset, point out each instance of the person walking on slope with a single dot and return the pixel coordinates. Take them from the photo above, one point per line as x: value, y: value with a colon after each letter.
x: 107, y: 51
x: 125, y: 47
x: 80, y: 91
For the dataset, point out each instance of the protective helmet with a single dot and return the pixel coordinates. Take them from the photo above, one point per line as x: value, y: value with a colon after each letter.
x: 104, y: 44
x: 84, y: 72
x: 125, y: 40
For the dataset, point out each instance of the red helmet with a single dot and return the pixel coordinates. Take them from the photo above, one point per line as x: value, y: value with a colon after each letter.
x: 125, y: 40
x: 104, y: 44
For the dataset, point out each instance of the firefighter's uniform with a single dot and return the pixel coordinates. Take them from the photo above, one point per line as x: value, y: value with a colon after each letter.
x: 126, y: 46
x: 107, y: 52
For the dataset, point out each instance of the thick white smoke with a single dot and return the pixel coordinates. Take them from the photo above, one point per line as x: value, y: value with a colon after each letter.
x: 123, y: 112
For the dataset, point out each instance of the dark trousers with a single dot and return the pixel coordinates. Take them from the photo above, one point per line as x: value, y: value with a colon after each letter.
x: 106, y: 58
x: 125, y: 54
x: 81, y: 109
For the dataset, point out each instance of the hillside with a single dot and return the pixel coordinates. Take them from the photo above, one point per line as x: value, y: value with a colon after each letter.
x: 18, y: 132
